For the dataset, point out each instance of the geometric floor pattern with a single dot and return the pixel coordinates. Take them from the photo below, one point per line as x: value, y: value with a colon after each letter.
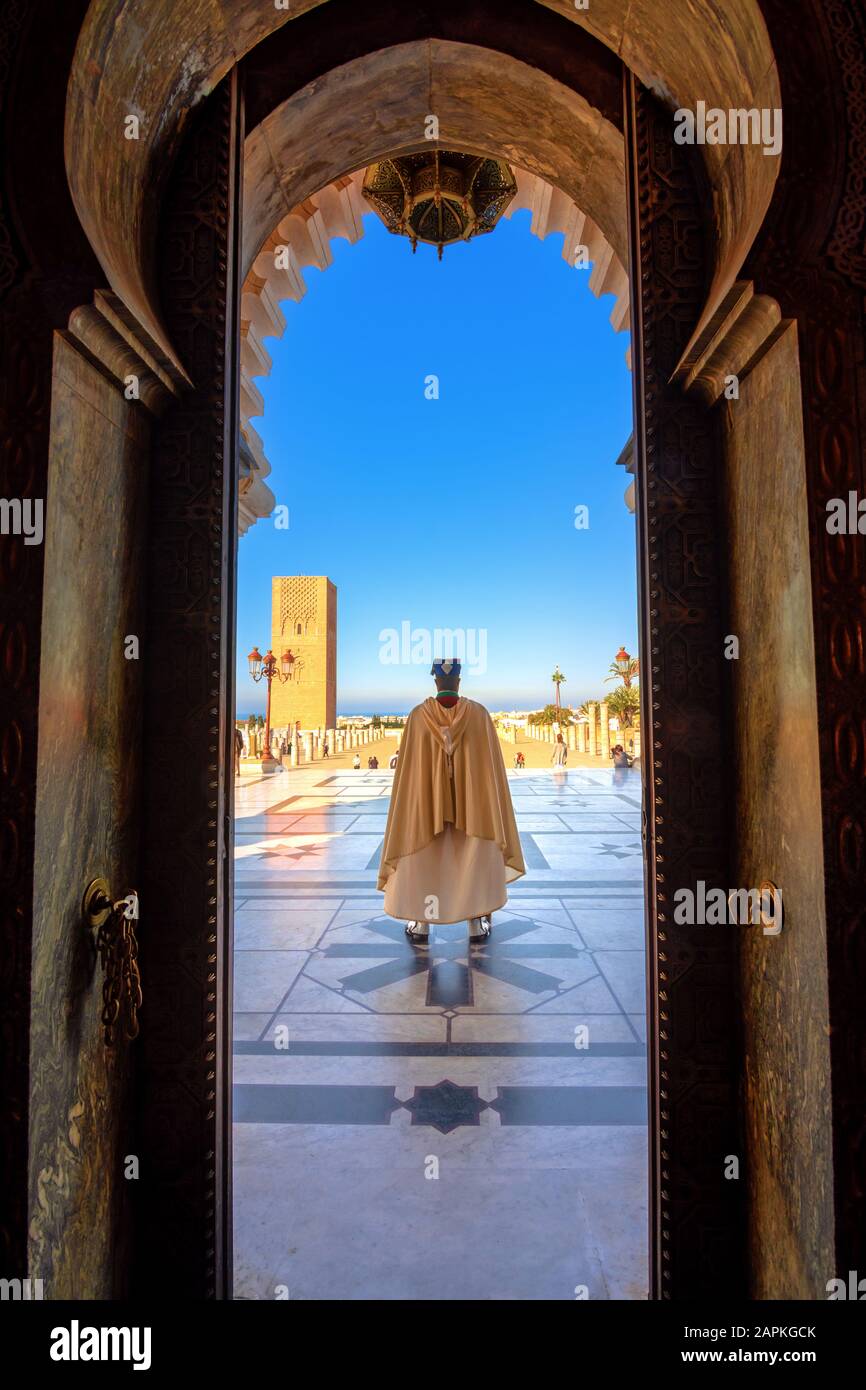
x: 405, y: 1117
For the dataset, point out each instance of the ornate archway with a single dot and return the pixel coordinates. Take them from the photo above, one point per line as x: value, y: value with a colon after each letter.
x: 310, y: 136
x: 728, y: 60
x: 808, y: 257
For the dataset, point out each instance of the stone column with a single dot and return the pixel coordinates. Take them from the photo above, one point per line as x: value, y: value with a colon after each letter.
x: 308, y: 746
x: 584, y: 737
x: 570, y: 738
x: 293, y: 756
x: 605, y: 731
x: 592, y: 709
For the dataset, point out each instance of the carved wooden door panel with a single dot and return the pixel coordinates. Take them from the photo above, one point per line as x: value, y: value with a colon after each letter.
x: 184, y: 1217
x: 695, y: 1209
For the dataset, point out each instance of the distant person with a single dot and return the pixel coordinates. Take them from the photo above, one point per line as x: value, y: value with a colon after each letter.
x: 620, y: 756
x: 239, y: 748
x: 519, y: 760
x: 393, y: 762
x: 325, y: 750
x: 373, y: 763
x: 451, y: 842
x: 356, y: 761
x: 560, y: 752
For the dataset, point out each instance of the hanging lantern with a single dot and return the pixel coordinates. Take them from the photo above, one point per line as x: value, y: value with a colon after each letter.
x: 439, y: 197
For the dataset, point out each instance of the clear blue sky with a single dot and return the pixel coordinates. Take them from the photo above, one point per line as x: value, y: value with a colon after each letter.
x: 458, y: 512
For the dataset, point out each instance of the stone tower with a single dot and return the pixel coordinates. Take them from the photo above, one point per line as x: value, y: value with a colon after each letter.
x: 304, y: 618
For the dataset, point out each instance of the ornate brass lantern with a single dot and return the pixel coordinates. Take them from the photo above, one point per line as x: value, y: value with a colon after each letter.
x: 439, y: 196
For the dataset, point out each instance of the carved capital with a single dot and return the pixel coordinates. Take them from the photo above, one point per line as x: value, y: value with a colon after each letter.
x: 742, y: 330
x: 112, y: 339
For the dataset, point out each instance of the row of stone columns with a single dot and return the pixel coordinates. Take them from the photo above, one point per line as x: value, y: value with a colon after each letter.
x: 346, y: 738
x: 591, y: 736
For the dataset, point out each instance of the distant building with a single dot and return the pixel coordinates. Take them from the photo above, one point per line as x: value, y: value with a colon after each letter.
x: 304, y: 619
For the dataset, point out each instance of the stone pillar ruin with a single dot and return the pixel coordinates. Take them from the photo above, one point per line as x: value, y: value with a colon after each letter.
x: 605, y: 730
x: 592, y: 709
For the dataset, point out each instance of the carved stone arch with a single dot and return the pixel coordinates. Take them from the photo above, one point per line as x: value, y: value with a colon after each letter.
x: 727, y: 60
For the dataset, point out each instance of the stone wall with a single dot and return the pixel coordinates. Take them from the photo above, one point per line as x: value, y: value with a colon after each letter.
x: 783, y: 979
x: 88, y: 793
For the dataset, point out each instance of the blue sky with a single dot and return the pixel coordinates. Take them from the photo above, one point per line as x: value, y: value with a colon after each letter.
x: 456, y: 513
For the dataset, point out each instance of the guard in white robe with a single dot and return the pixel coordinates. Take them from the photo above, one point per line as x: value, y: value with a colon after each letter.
x: 451, y: 843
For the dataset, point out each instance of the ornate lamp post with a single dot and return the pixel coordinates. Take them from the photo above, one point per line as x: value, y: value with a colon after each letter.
x: 625, y: 668
x: 265, y: 668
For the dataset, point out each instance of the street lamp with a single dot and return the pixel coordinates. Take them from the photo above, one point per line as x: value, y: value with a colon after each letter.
x: 264, y: 668
x: 624, y: 668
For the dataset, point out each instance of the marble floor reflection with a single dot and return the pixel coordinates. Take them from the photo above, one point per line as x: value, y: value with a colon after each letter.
x: 450, y: 1123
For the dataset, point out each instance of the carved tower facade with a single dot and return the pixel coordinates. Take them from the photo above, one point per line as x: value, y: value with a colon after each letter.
x: 304, y: 619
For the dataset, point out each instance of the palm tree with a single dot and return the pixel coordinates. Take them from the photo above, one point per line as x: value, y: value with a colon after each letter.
x: 551, y: 715
x: 557, y: 679
x: 624, y: 704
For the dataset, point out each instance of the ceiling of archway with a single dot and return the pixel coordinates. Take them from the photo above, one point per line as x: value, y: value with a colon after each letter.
x: 486, y: 103
x: 157, y: 59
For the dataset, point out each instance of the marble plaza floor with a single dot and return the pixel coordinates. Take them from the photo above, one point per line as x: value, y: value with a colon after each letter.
x: 364, y: 1066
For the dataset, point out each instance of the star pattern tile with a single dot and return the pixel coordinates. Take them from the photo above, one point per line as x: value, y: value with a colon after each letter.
x: 446, y: 1106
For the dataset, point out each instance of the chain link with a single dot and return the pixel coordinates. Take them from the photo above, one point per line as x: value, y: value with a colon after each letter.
x: 117, y: 945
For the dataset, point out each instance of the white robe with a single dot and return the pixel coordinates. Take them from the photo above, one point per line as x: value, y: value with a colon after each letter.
x: 451, y: 842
